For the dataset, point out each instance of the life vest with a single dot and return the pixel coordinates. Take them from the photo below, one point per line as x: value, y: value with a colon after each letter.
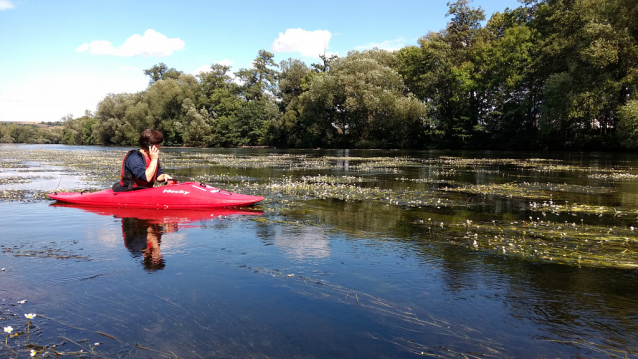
x: 128, y: 180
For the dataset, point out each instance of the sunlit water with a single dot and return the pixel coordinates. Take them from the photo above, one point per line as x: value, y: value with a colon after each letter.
x: 328, y: 278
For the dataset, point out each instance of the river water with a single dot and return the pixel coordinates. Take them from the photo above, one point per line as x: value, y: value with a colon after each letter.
x: 352, y: 254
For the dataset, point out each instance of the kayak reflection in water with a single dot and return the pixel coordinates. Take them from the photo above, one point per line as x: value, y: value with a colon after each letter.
x: 141, y: 168
x: 143, y: 238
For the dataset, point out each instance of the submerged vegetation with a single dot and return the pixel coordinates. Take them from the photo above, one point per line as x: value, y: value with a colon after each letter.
x: 463, y: 201
x: 24, y: 338
x: 543, y: 240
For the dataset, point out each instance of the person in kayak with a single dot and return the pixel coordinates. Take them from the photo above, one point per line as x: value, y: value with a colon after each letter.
x: 141, y: 168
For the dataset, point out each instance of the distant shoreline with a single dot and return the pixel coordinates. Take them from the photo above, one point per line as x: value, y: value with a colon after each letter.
x: 32, y: 123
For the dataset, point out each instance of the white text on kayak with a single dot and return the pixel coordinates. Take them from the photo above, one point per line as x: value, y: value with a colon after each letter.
x: 175, y: 192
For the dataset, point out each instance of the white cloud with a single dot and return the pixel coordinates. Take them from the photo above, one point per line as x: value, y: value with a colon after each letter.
x: 389, y: 45
x: 6, y: 4
x: 82, y: 48
x: 308, y: 43
x: 151, y: 44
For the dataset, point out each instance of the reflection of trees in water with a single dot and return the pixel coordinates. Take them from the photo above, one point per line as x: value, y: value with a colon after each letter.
x: 352, y: 216
x: 457, y: 273
x: 143, y: 238
x: 595, y: 304
x: 589, y: 308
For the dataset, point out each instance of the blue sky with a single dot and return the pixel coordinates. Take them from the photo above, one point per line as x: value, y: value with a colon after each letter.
x: 62, y: 57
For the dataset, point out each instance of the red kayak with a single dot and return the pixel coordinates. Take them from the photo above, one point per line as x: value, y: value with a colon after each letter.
x: 187, y: 195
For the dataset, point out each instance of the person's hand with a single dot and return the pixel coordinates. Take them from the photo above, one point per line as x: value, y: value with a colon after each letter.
x: 164, y: 178
x: 153, y: 152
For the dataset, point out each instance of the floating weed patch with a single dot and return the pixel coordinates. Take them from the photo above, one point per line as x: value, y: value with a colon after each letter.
x: 21, y: 195
x: 377, y: 164
x: 324, y: 190
x: 43, y: 250
x: 527, y: 190
x: 221, y: 178
x: 15, y: 180
x: 30, y: 195
x: 458, y: 162
x: 532, y: 164
x: 281, y: 161
x: 92, y: 166
x: 320, y: 187
x: 293, y: 162
x: 566, y: 188
x: 18, y: 180
x: 11, y: 163
x: 616, y: 176
x: 546, y: 241
x: 425, y: 180
x: 575, y: 208
x: 333, y: 179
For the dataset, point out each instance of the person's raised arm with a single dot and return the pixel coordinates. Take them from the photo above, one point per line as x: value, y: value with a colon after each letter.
x: 153, y: 153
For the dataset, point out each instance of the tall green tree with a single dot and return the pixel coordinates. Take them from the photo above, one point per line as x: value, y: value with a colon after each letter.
x: 360, y: 103
x: 284, y: 129
x: 259, y: 81
x: 504, y: 58
x: 113, y: 128
x: 442, y: 74
x: 588, y: 59
x: 258, y: 110
x: 161, y: 72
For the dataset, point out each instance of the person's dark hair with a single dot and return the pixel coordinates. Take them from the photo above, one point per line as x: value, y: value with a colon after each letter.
x: 150, y: 137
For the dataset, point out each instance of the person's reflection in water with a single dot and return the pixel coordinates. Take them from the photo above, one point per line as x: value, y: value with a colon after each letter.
x: 143, y: 238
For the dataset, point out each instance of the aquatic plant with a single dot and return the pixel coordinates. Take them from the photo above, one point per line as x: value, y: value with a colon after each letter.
x: 575, y: 208
x: 616, y: 176
x: 47, y: 250
x: 29, y: 316
x: 333, y: 179
x: 17, y: 347
x: 303, y: 188
x: 527, y: 190
x: 14, y: 180
x: 441, y: 184
x: 537, y: 240
x: 425, y: 180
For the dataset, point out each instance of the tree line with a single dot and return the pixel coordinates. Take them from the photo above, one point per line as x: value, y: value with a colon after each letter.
x: 554, y: 74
